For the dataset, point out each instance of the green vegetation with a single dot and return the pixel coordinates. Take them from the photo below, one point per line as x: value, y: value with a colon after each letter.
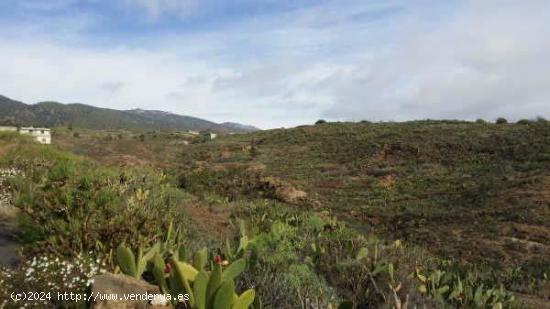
x: 423, y: 214
x: 474, y: 192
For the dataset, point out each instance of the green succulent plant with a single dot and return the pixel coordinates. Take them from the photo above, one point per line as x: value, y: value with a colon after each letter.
x: 213, y: 289
x: 452, y: 288
x: 132, y: 265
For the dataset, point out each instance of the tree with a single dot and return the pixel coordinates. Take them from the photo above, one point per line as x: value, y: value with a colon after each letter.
x: 320, y: 121
x: 501, y: 120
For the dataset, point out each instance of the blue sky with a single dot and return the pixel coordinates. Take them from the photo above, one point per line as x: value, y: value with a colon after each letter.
x: 274, y: 63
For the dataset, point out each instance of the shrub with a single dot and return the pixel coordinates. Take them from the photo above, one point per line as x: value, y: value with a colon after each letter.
x: 70, y: 205
x: 501, y: 120
x: 76, y: 135
x: 523, y: 121
x: 320, y: 121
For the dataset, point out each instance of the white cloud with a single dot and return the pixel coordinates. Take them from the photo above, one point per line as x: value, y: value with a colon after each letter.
x: 379, y: 60
x: 156, y: 8
x: 485, y: 61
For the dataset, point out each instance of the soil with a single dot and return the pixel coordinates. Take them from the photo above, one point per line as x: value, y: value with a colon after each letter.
x: 8, y: 243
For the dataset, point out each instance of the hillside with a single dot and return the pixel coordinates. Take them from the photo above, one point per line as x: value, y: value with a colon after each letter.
x: 478, y: 193
x: 51, y: 114
x: 436, y: 214
x: 79, y: 221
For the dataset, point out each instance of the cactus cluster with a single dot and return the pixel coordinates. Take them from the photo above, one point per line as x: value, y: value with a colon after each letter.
x: 213, y: 289
x: 246, y: 243
x: 464, y: 292
x: 209, y: 285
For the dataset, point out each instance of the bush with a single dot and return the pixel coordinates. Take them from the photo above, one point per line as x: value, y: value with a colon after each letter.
x: 70, y: 205
x: 480, y: 121
x: 501, y: 120
x: 524, y: 121
x: 320, y: 121
x: 76, y: 135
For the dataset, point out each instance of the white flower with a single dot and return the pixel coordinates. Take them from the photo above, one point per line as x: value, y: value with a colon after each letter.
x: 159, y: 300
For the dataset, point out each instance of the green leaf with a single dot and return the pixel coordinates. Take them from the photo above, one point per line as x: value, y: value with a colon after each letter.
x: 199, y: 290
x: 181, y: 253
x: 158, y: 273
x: 478, y: 294
x: 362, y: 254
x: 188, y: 271
x: 126, y: 261
x: 224, y: 295
x: 245, y: 300
x: 234, y: 270
x: 200, y: 258
x: 213, y: 284
x: 151, y: 253
x: 390, y: 271
x: 142, y: 262
x: 242, y: 228
x: 243, y: 243
x: 443, y: 290
x: 378, y: 269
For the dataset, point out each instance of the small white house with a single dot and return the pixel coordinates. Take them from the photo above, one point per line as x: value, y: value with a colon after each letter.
x: 42, y: 135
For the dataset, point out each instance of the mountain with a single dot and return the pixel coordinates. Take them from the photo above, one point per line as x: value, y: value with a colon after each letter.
x: 52, y: 114
x: 237, y: 127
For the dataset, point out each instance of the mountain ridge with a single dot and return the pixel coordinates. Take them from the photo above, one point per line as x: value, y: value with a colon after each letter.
x: 51, y: 113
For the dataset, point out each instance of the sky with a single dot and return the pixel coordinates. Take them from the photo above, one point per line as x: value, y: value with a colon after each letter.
x: 279, y: 63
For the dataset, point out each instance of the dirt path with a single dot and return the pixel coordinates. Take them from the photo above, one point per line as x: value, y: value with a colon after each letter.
x: 8, y: 242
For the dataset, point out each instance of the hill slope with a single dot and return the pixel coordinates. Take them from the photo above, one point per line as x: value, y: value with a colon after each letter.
x: 475, y: 192
x: 84, y: 116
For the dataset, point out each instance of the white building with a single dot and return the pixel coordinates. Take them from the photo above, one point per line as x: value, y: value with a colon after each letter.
x: 42, y: 135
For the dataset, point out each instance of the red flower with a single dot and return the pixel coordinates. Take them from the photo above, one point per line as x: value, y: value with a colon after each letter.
x: 217, y: 259
x: 168, y: 268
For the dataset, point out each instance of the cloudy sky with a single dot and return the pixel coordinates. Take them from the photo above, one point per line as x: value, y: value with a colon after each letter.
x: 274, y: 63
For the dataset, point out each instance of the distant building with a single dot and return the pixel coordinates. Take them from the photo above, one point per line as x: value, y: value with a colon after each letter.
x: 42, y: 135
